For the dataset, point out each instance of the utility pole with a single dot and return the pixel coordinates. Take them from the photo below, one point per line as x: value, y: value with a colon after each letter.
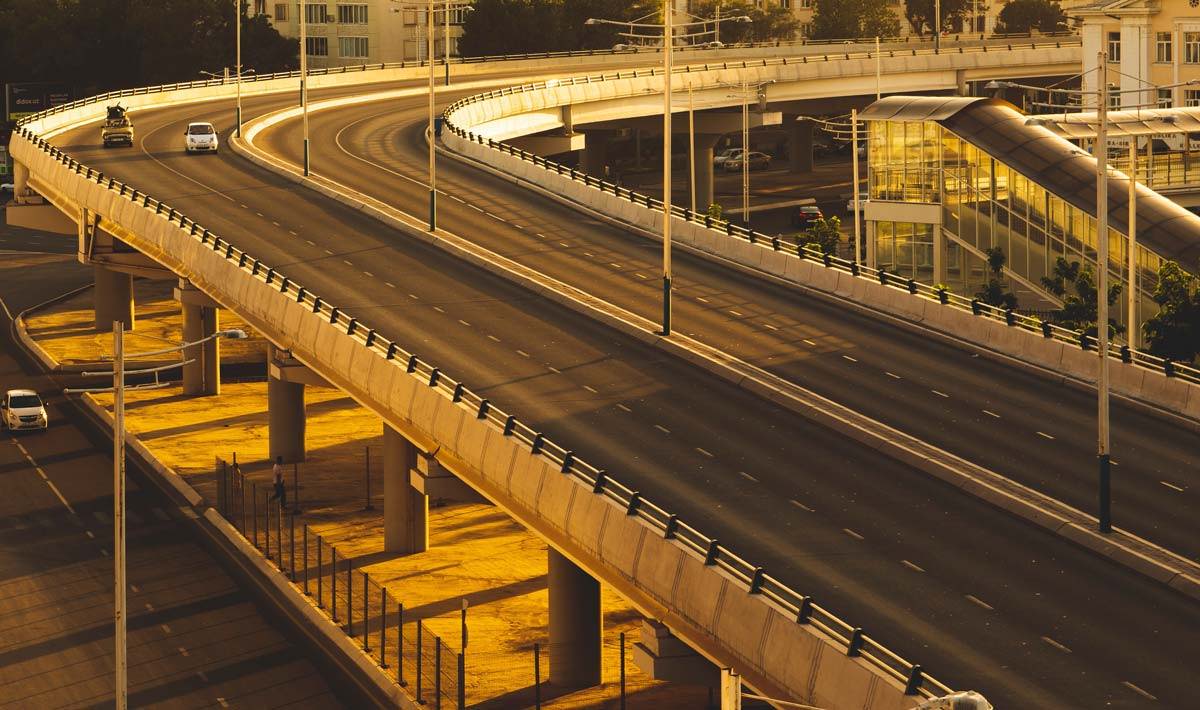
x: 120, y: 607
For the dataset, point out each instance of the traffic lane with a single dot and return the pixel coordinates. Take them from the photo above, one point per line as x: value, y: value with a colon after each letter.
x: 707, y: 500
x: 936, y: 392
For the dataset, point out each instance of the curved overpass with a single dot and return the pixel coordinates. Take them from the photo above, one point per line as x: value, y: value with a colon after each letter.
x: 885, y: 497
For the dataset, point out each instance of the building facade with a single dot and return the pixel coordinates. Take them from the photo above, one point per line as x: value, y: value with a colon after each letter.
x: 1152, y: 46
x: 366, y: 32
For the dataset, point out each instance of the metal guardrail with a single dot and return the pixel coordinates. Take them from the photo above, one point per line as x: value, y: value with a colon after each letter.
x: 755, y: 579
x: 1032, y: 324
x: 161, y: 88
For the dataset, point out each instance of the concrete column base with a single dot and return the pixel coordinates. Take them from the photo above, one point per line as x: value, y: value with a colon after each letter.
x: 594, y: 156
x: 662, y: 656
x: 286, y: 420
x: 705, y: 195
x: 576, y: 624
x: 405, y: 509
x: 801, y: 146
x: 112, y: 298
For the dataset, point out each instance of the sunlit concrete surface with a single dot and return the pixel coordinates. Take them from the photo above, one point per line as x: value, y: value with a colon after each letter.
x: 476, y: 551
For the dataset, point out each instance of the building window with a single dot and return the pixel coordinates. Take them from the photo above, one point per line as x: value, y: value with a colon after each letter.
x: 314, y: 13
x: 1114, y: 101
x: 281, y: 12
x: 458, y: 15
x: 352, y: 14
x: 260, y: 7
x: 1191, y: 47
x: 353, y: 46
x: 1165, y: 99
x: 1114, y: 46
x: 1162, y: 48
x: 1191, y: 98
x: 317, y: 46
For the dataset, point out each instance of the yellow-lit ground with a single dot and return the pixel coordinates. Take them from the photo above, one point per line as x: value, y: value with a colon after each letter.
x: 476, y: 551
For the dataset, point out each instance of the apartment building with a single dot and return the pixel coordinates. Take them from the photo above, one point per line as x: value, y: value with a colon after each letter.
x: 1152, y: 46
x: 366, y: 32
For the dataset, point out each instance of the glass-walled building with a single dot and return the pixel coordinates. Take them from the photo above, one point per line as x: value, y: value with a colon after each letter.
x: 950, y: 178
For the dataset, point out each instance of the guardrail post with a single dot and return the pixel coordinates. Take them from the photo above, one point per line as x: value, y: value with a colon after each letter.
x: 537, y: 675
x: 320, y: 574
x: 419, y: 644
x: 400, y: 645
x: 304, y: 547
x: 462, y: 680
x: 804, y: 613
x: 710, y: 558
x: 333, y: 582
x: 383, y: 627
x: 366, y: 629
x: 350, y: 597
x: 856, y: 642
x: 1126, y: 354
x: 913, y: 685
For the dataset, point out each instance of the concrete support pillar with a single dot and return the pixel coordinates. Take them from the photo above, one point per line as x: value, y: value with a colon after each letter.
x: 112, y: 298
x: 405, y: 509
x: 705, y: 196
x: 576, y: 623
x: 962, y: 86
x: 20, y: 181
x: 285, y: 416
x: 940, y: 275
x: 203, y: 376
x: 801, y: 145
x: 595, y: 153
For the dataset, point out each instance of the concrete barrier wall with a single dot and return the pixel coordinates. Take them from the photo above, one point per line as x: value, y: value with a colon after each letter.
x: 714, y: 612
x: 1131, y: 380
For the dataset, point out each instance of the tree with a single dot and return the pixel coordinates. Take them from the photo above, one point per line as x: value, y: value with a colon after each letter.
x: 1021, y: 16
x: 520, y: 26
x: 1080, y: 303
x: 995, y: 292
x: 920, y: 14
x: 1175, y: 331
x: 768, y: 21
x: 850, y: 19
x: 826, y: 234
x: 107, y: 44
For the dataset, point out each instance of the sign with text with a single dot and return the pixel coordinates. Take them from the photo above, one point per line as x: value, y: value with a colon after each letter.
x: 27, y: 98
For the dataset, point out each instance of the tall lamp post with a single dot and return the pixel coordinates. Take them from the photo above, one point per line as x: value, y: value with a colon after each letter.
x: 304, y: 77
x: 118, y: 373
x: 1102, y: 444
x: 668, y: 41
x: 238, y: 66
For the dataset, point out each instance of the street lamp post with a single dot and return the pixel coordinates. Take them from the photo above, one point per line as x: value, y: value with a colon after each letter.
x: 937, y: 25
x: 304, y: 78
x: 1131, y: 255
x: 432, y: 138
x: 238, y: 67
x: 668, y: 45
x: 120, y: 599
x: 1102, y: 444
x: 855, y: 188
x: 692, y: 148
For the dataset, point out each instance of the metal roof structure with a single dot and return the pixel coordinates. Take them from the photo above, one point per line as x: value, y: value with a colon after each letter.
x: 1145, y: 122
x: 997, y: 128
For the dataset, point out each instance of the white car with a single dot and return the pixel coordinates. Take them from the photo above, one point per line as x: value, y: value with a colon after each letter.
x: 200, y: 138
x: 728, y: 154
x: 23, y: 409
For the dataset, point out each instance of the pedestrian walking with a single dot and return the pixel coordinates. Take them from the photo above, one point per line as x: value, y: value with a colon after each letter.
x: 280, y: 489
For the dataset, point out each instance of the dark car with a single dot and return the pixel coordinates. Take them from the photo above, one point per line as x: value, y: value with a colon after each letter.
x: 806, y: 216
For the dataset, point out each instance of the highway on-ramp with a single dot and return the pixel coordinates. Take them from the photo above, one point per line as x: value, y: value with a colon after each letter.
x: 979, y: 598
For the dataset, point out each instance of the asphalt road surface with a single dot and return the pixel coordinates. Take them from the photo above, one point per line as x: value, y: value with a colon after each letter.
x: 194, y: 638
x: 980, y: 599
x: 1004, y: 418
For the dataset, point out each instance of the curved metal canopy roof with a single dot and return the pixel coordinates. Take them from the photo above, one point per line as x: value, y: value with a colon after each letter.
x: 1000, y: 130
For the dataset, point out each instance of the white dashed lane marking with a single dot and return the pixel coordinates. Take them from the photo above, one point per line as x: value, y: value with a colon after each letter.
x: 368, y: 274
x: 493, y: 338
x: 800, y: 505
x: 847, y: 357
x: 748, y: 477
x: 991, y: 414
x: 460, y: 320
x: 912, y: 566
x: 1044, y: 434
x: 705, y: 453
x: 662, y: 428
x: 770, y: 326
x: 940, y: 394
x: 623, y: 408
x: 522, y: 353
x: 808, y: 342
x: 439, y: 309
x: 1056, y: 644
x: 702, y: 299
x: 852, y: 534
x: 735, y: 313
x: 1172, y: 486
x: 893, y: 375
x: 389, y: 284
x: 591, y: 389
x: 979, y: 602
x: 554, y: 369
x: 1138, y: 690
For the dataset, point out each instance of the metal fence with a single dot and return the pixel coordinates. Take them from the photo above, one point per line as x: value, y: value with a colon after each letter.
x: 730, y: 230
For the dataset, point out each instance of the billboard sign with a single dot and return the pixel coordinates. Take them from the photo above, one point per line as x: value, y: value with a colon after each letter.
x: 27, y: 98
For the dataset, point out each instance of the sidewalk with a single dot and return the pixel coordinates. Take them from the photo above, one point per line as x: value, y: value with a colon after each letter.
x: 476, y: 551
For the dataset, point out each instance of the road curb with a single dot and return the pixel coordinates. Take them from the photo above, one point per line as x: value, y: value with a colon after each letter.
x: 1070, y: 524
x: 355, y: 669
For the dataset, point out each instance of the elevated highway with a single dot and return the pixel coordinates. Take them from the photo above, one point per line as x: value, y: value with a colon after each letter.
x: 858, y: 523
